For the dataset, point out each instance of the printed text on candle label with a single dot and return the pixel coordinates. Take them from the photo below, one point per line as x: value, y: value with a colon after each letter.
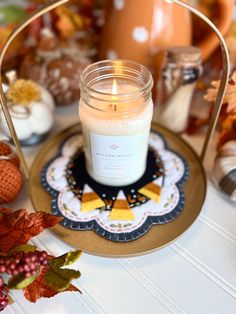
x: 115, y: 156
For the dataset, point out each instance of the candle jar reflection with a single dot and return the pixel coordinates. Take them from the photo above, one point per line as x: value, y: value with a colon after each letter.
x: 115, y: 112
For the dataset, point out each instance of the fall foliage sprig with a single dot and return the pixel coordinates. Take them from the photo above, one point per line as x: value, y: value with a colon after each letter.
x: 36, y: 273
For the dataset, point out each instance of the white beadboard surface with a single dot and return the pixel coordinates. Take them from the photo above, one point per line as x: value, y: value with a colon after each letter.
x: 195, y: 274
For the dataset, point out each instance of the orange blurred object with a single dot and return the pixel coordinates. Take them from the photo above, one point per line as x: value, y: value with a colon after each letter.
x: 7, y: 152
x: 13, y: 49
x: 11, y: 181
x: 142, y: 30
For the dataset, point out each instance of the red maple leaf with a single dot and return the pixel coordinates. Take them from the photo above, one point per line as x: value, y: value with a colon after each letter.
x: 18, y: 227
x: 40, y: 289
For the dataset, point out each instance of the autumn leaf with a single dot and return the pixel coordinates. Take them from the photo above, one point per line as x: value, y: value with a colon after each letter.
x: 5, y: 211
x: 59, y: 278
x: 68, y: 21
x: 18, y: 227
x: 230, y: 95
x: 40, y: 288
x: 227, y: 130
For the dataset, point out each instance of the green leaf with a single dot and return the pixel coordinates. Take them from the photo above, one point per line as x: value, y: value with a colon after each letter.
x: 24, y: 248
x: 58, y: 278
x: 19, y: 282
x: 66, y: 259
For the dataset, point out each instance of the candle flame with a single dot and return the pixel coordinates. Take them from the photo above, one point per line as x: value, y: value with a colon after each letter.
x: 114, y: 87
x: 114, y: 92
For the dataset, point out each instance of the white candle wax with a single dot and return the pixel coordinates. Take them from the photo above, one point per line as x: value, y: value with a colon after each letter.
x: 116, y: 136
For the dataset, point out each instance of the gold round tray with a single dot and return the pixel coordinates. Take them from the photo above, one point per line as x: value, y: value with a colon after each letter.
x: 158, y: 236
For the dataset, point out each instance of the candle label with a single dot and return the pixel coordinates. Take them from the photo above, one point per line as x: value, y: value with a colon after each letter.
x: 116, y: 156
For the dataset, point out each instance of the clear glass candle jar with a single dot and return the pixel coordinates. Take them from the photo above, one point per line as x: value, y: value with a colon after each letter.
x: 116, y: 112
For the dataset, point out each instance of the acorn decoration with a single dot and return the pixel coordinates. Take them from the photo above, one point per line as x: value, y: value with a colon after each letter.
x: 224, y: 171
x: 31, y: 108
x: 57, y: 66
x: 11, y: 179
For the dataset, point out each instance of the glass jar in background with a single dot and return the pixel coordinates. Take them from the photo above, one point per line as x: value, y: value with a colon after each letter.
x: 180, y: 74
x: 116, y: 112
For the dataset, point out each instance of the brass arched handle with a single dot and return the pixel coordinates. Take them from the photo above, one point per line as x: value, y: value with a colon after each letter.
x: 210, y: 43
x: 3, y: 100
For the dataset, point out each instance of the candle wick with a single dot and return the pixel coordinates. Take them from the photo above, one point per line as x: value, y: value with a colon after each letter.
x: 113, y: 107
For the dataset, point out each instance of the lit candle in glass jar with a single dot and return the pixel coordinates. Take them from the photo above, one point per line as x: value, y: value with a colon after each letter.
x: 116, y: 112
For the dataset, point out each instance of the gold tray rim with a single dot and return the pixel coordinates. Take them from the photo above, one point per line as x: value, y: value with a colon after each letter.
x: 54, y: 230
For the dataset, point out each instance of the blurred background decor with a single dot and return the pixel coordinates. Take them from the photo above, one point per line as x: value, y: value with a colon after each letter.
x: 224, y: 172
x: 64, y: 40
x: 135, y: 30
x: 11, y: 16
x: 55, y: 64
x: 142, y: 30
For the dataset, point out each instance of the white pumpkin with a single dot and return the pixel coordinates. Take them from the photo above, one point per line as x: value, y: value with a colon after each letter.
x: 34, y: 119
x: 41, y: 118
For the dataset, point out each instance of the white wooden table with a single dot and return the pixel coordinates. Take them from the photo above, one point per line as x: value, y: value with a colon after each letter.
x: 195, y: 274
